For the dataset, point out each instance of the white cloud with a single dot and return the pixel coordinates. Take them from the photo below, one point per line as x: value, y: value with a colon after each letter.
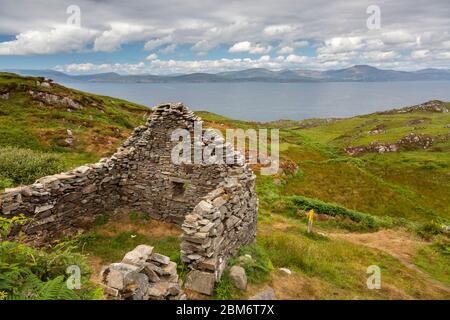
x: 155, y: 43
x: 341, y: 44
x: 285, y: 50
x: 168, y: 49
x: 296, y: 59
x: 81, y: 68
x: 300, y: 44
x: 397, y: 37
x: 63, y: 38
x: 158, y: 66
x: 380, y: 55
x: 281, y: 29
x: 337, y: 30
x: 120, y: 33
x: 420, y: 54
x: 152, y: 56
x: 246, y: 46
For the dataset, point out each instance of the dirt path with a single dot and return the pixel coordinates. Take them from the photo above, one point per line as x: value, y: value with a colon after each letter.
x: 397, y: 243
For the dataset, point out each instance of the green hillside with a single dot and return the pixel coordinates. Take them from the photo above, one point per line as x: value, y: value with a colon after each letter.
x: 55, y: 123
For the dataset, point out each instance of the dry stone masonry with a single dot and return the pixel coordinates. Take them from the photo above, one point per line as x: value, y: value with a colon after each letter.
x: 215, y: 204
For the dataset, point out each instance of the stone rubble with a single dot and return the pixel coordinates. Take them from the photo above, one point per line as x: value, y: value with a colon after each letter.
x: 142, y: 275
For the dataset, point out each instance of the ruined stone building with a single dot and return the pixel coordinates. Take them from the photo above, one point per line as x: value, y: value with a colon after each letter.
x: 215, y: 204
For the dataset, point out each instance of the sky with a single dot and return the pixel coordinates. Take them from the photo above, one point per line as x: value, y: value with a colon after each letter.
x: 166, y: 37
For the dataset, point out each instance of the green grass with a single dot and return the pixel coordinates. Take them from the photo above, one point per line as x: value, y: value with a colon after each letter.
x: 435, y: 260
x: 113, y: 248
x: 258, y: 267
x: 24, y: 166
x: 98, y: 128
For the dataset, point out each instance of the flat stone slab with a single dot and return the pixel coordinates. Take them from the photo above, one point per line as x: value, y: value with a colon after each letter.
x: 200, y: 281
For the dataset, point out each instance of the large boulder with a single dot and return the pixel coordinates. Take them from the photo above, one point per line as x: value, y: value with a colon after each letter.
x: 238, y: 277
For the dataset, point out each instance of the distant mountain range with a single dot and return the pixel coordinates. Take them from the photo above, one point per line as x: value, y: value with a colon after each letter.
x: 355, y: 73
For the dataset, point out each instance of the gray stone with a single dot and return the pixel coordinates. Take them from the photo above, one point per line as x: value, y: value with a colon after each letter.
x: 158, y: 290
x: 200, y: 281
x: 137, y: 283
x: 82, y: 169
x: 207, y: 227
x: 267, y: 294
x: 43, y: 208
x: 170, y: 269
x: 110, y: 291
x: 114, y: 276
x: 164, y: 260
x: 209, y: 264
x: 286, y: 271
x: 238, y: 277
x: 151, y: 274
x: 89, y: 189
x: 139, y: 255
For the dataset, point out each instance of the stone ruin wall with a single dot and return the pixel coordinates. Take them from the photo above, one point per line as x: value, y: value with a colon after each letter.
x: 215, y: 204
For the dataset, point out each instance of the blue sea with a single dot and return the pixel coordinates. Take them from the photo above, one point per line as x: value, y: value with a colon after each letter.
x: 271, y: 101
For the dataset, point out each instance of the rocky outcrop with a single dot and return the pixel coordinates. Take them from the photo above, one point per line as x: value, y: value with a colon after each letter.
x: 142, y: 275
x: 381, y: 128
x: 412, y: 141
x: 215, y: 204
x: 54, y: 99
x: 429, y: 106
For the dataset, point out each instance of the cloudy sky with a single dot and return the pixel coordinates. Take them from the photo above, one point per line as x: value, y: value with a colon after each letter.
x: 164, y: 36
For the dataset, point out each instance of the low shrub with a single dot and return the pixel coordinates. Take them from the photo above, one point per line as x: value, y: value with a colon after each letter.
x: 258, y: 267
x: 429, y: 230
x: 334, y: 210
x: 24, y: 166
x: 27, y: 273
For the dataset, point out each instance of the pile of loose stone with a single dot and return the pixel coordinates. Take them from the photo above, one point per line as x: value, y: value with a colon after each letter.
x: 142, y: 275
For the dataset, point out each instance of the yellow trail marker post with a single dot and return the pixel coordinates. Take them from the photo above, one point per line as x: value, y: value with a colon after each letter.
x: 310, y: 220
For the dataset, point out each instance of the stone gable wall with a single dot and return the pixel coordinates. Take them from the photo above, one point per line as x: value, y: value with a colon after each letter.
x: 215, y: 204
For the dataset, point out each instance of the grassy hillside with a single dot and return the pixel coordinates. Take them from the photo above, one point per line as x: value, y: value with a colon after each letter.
x: 411, y: 183
x: 384, y: 209
x: 57, y: 124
